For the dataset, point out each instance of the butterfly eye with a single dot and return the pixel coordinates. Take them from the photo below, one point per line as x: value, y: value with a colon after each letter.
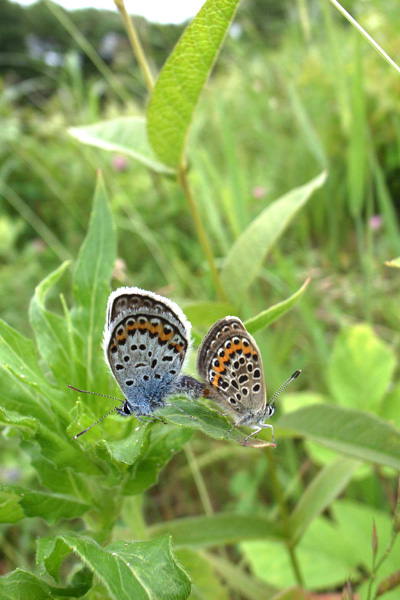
x: 270, y: 410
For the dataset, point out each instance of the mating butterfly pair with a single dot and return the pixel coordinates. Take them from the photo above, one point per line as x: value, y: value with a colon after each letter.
x: 146, y: 340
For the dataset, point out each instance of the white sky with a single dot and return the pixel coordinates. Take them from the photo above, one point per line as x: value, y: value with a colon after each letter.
x: 161, y: 11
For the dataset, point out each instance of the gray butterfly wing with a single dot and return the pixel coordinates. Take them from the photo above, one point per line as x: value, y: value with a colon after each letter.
x: 145, y: 342
x: 229, y: 360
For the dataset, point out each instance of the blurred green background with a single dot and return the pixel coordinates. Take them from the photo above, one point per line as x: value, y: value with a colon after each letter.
x: 295, y: 90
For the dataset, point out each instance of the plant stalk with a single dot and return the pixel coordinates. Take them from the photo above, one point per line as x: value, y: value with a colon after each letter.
x: 136, y: 45
x: 278, y: 493
x: 201, y: 233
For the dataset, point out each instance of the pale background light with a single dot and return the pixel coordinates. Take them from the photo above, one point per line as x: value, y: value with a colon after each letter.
x: 160, y: 11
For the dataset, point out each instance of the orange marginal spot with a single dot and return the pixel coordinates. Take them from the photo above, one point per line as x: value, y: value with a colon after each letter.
x: 216, y: 380
x: 132, y: 327
x: 121, y: 337
x: 164, y: 337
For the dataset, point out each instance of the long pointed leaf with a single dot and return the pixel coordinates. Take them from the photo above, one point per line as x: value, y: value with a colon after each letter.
x: 178, y: 88
x: 249, y: 251
x: 91, y: 286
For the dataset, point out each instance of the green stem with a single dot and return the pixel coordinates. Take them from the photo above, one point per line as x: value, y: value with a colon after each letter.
x: 278, y: 493
x: 136, y: 45
x: 395, y: 532
x: 201, y: 233
x: 360, y: 29
x: 198, y: 479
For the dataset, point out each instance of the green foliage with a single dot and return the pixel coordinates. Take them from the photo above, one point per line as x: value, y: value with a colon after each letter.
x: 182, y: 79
x: 120, y: 513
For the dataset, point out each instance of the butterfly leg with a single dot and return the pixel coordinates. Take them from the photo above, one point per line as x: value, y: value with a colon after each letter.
x: 238, y: 423
x: 258, y: 429
x: 181, y: 410
x: 149, y: 419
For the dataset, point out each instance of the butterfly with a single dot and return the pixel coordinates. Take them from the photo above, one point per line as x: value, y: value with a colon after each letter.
x: 230, y: 362
x: 146, y: 340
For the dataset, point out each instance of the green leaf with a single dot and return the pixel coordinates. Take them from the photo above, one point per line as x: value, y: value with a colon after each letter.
x: 361, y: 368
x: 20, y: 585
x: 209, y: 422
x: 395, y: 262
x: 274, y: 312
x: 26, y: 503
x: 158, y: 450
x: 239, y: 581
x: 92, y: 277
x: 17, y: 354
x: 321, y: 546
x: 205, y: 583
x: 247, y: 255
x: 204, y: 314
x: 351, y: 432
x: 51, y: 330
x: 358, y: 143
x: 26, y: 425
x: 219, y: 529
x: 323, y: 489
x: 139, y: 570
x: 28, y: 392
x: 125, y: 135
x: 179, y: 85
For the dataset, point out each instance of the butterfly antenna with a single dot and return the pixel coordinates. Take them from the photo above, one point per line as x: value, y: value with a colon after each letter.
x: 93, y: 424
x: 283, y: 386
x: 94, y: 393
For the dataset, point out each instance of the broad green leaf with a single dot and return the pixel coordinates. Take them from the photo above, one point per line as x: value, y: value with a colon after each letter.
x: 125, y: 135
x: 351, y: 432
x: 17, y: 354
x: 50, y: 507
x: 26, y: 425
x: 324, y: 561
x: 51, y: 330
x: 323, y: 489
x: 393, y: 263
x: 161, y: 446
x: 340, y: 546
x: 211, y: 423
x: 129, y: 449
x: 247, y: 255
x: 204, y: 314
x: 139, y: 570
x: 205, y: 583
x: 179, y: 85
x: 239, y: 581
x: 360, y: 369
x: 354, y: 523
x: 391, y: 405
x: 91, y: 289
x: 21, y: 585
x: 217, y: 530
x: 274, y: 312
